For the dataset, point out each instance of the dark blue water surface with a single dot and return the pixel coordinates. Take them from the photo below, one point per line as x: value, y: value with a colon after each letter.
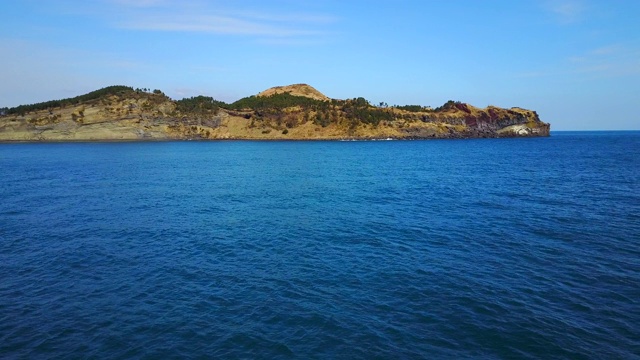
x: 496, y: 248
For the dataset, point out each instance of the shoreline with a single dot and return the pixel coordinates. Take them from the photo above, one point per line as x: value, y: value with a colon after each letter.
x: 346, y: 139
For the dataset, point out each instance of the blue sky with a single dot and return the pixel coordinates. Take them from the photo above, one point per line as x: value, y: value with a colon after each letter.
x: 576, y: 62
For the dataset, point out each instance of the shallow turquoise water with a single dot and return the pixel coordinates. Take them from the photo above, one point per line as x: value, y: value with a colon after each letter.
x: 494, y: 248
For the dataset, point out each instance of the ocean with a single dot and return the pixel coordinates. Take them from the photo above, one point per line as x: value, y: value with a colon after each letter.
x: 522, y: 248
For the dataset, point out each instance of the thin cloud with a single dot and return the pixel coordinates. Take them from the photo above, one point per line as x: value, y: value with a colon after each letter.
x: 567, y: 11
x: 611, y: 60
x: 607, y: 50
x: 616, y: 60
x: 291, y: 41
x: 215, y: 25
x: 291, y: 18
x: 199, y: 17
x: 596, y: 54
x: 611, y: 70
x: 140, y: 3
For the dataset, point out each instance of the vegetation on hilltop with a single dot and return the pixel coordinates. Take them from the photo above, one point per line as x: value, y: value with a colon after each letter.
x: 412, y: 108
x: 276, y: 101
x: 199, y: 104
x: 109, y: 90
x: 283, y: 105
x: 359, y: 109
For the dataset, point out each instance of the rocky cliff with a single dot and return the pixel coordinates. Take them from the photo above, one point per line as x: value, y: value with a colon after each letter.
x: 295, y: 112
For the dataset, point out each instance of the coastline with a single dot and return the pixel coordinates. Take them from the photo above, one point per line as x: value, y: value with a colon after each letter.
x: 336, y: 139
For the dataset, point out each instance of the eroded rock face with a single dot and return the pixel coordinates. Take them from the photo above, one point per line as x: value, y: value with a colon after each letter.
x: 523, y: 130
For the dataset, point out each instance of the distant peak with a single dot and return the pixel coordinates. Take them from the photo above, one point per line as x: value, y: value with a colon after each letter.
x: 296, y: 90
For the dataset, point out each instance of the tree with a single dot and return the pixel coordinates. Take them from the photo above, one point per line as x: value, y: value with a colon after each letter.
x: 199, y: 104
x: 321, y: 119
x: 412, y: 108
x: 361, y: 102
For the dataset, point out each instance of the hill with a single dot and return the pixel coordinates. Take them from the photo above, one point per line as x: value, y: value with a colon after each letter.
x: 296, y: 90
x: 296, y: 112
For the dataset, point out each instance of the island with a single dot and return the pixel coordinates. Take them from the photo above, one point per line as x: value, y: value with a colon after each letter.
x: 293, y: 112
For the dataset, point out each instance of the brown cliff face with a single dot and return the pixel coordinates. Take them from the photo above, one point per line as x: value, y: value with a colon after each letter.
x: 491, y: 121
x: 277, y: 113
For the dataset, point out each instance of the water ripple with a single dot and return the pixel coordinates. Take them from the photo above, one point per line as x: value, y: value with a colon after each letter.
x: 521, y: 248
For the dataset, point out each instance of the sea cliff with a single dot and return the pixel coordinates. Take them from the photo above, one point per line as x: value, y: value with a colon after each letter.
x: 294, y: 112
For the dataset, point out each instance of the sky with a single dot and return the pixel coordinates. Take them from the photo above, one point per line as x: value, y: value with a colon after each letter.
x: 575, y: 62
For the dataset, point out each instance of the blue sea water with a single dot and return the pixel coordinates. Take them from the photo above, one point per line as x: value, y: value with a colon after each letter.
x: 492, y: 248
